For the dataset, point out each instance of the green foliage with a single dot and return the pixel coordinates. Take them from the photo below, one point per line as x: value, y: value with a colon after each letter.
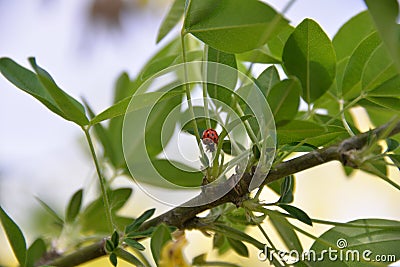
x: 92, y: 219
x: 160, y: 236
x: 385, y: 16
x: 284, y: 99
x: 216, y: 75
x: 42, y: 86
x: 267, y: 79
x: 359, y: 67
x: 287, y: 187
x: 35, y: 251
x: 379, y: 236
x: 297, y: 213
x: 15, y: 237
x: 309, y: 55
x: 225, y: 24
x: 171, y: 19
x: 132, y: 227
x: 74, y: 206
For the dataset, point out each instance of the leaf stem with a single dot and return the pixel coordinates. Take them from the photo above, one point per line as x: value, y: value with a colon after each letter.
x: 343, y: 117
x: 204, y: 84
x: 189, y: 98
x: 353, y: 102
x: 102, y: 181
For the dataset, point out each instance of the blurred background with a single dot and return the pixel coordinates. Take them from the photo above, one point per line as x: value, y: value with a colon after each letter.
x: 85, y: 45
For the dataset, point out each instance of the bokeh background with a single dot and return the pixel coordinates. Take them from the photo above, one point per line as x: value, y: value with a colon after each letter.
x: 85, y: 45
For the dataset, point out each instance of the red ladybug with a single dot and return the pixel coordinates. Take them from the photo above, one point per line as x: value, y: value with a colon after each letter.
x: 211, y: 134
x: 210, y: 139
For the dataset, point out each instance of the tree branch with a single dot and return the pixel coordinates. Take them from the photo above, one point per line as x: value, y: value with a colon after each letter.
x: 181, y: 216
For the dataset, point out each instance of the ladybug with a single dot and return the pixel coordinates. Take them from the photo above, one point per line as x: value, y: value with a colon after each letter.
x: 210, y: 139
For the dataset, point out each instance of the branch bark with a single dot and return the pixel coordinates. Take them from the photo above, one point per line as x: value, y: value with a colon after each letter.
x: 181, y: 217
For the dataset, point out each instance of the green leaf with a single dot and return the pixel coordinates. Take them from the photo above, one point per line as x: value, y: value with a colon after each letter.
x: 396, y: 160
x: 225, y: 24
x: 113, y: 259
x: 92, y: 217
x: 15, y: 237
x: 139, y: 221
x: 333, y: 134
x: 347, y: 39
x: 178, y: 173
x: 239, y: 247
x: 389, y: 88
x: 157, y: 132
x: 233, y: 124
x: 375, y: 236
x: 379, y: 69
x: 287, y: 190
x: 297, y: 131
x: 134, y: 244
x: 200, y: 121
x: 271, y: 52
x: 123, y: 87
x: 259, y: 55
x: 174, y: 15
x: 392, y: 144
x: 385, y: 14
x: 284, y: 99
x: 109, y: 246
x: 115, y: 239
x: 128, y: 257
x: 139, y: 102
x: 351, y: 34
x: 158, y: 239
x: 141, y: 234
x: 72, y: 109
x: 239, y: 217
x: 200, y: 260
x: 298, y: 147
x: 218, y: 240
x: 157, y: 65
x: 297, y: 213
x: 74, y: 206
x: 35, y: 252
x: 309, y: 55
x: 227, y: 147
x: 28, y: 82
x: 351, y: 85
x: 267, y: 79
x: 217, y: 75
x: 286, y: 232
x: 57, y: 218
x: 391, y: 104
x: 236, y: 234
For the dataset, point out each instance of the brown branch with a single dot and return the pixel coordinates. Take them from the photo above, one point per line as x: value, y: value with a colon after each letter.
x: 79, y: 256
x: 181, y: 216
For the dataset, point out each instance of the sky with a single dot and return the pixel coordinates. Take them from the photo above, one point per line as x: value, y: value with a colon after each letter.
x: 40, y: 153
